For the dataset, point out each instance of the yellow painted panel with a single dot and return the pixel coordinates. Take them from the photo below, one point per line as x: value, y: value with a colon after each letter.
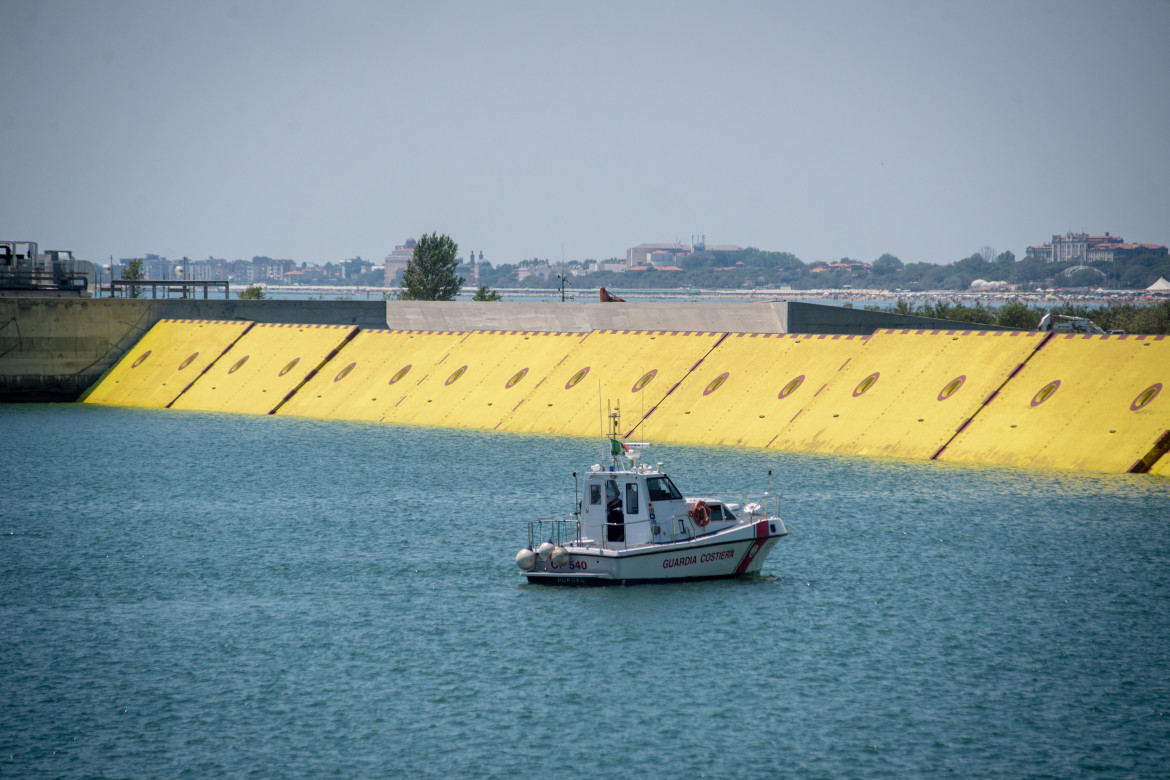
x: 943, y: 378
x: 482, y: 377
x: 388, y: 366
x: 906, y: 392
x: 633, y: 369
x: 502, y: 370
x: 164, y: 362
x: 748, y: 388
x: 1097, y: 403
x: 1162, y: 467
x: 263, y: 367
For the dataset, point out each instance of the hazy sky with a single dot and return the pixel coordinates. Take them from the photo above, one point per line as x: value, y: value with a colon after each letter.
x: 319, y: 131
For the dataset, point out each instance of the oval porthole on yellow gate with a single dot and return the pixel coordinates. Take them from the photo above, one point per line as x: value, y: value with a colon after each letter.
x: 400, y: 373
x: 577, y: 377
x: 791, y: 387
x: 238, y: 363
x: 1046, y: 392
x: 645, y: 380
x: 289, y: 366
x: 455, y: 376
x: 188, y: 361
x: 515, y: 379
x: 343, y: 373
x: 1145, y: 396
x: 866, y: 383
x: 952, y: 387
x: 138, y: 361
x: 716, y: 383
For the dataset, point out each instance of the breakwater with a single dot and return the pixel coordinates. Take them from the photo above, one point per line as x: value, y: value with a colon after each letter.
x: 1028, y: 399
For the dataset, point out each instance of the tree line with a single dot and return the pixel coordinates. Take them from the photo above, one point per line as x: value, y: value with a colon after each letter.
x: 758, y: 268
x: 1148, y: 319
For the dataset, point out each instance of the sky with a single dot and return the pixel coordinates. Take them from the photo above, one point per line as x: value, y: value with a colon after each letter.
x: 319, y: 131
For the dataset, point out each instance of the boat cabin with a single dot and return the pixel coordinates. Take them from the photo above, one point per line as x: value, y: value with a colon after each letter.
x: 642, y: 506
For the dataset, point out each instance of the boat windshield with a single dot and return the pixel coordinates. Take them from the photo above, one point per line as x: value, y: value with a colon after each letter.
x: 662, y: 489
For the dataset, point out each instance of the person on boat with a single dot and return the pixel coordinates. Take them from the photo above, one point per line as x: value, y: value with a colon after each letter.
x: 615, y: 529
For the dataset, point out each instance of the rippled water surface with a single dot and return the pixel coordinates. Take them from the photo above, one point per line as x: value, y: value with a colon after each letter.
x: 193, y: 595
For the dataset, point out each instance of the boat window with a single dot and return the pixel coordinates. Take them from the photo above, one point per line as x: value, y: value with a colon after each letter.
x: 717, y: 515
x: 662, y: 489
x: 595, y: 494
x: 632, y: 498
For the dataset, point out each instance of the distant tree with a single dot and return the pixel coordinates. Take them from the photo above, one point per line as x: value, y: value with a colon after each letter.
x: 486, y: 294
x: 252, y: 292
x: 1015, y: 314
x: 1028, y: 271
x: 430, y: 273
x: 976, y: 267
x: 886, y: 265
x: 133, y: 272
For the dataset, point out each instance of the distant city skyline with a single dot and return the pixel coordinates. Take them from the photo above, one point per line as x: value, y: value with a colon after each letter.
x: 323, y: 132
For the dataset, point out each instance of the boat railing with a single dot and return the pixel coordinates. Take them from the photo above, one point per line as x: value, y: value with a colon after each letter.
x: 626, y: 525
x: 560, y: 531
x: 755, y: 506
x: 745, y: 507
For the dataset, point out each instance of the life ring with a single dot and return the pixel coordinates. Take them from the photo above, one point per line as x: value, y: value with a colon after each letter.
x: 701, y: 513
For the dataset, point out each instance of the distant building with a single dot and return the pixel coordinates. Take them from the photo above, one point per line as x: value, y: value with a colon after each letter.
x: 265, y: 269
x: 666, y: 255
x: 852, y: 266
x: 1073, y: 247
x: 396, y: 261
x: 541, y: 270
x: 355, y: 267
x: 646, y: 254
x: 469, y: 271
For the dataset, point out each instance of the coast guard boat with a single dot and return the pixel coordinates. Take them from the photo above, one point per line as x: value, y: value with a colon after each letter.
x: 632, y: 525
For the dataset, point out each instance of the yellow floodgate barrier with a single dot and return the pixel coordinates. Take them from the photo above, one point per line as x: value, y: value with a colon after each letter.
x: 165, y: 362
x: 491, y: 375
x: 750, y: 388
x: 1081, y: 402
x: 633, y: 369
x: 265, y: 366
x: 906, y: 393
x: 372, y: 376
x: 1030, y: 399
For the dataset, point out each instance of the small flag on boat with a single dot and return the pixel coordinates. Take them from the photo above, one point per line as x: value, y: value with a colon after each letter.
x: 619, y: 448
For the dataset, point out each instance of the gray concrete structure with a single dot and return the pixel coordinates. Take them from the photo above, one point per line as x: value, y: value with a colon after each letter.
x: 682, y: 316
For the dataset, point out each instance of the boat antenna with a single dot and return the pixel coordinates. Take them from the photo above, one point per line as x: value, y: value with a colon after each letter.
x: 615, y: 421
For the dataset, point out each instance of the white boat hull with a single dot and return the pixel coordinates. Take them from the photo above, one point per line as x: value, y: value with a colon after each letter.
x: 730, y: 552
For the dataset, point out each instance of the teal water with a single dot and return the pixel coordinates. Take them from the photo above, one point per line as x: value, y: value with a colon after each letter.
x: 194, y: 595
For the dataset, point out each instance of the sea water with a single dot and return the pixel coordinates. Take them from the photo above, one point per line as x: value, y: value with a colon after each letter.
x: 199, y: 595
